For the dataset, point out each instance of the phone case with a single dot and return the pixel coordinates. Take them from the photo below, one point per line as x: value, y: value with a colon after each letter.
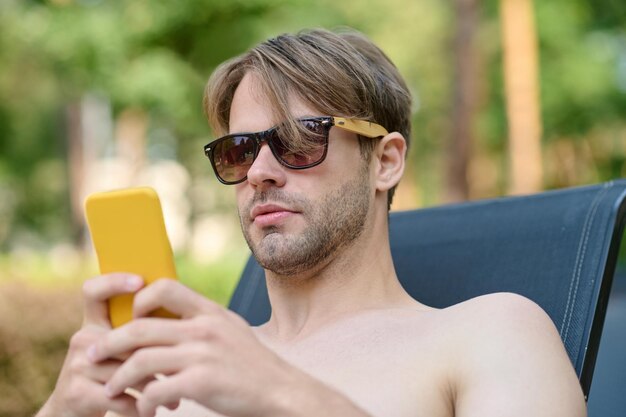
x: 129, y: 235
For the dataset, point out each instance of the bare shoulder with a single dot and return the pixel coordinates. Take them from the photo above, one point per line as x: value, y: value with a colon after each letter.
x: 507, y: 355
x: 501, y: 325
x: 506, y: 313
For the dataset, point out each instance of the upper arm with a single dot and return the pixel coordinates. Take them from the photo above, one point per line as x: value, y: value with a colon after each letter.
x: 515, y: 363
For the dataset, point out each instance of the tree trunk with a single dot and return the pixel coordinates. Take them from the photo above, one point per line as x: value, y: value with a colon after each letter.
x: 130, y: 137
x: 88, y: 128
x: 522, y: 96
x: 464, y: 100
x: 76, y: 167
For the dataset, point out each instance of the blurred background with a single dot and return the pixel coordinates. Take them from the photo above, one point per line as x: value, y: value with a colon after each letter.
x: 510, y: 97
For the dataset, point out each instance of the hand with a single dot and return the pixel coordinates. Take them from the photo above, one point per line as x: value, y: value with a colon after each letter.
x: 80, y: 391
x: 210, y: 356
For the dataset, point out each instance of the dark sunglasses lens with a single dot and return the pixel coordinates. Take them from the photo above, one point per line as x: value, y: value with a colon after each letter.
x: 233, y: 157
x: 314, y: 139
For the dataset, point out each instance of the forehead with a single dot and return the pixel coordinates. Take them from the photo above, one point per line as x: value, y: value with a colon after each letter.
x: 251, y: 110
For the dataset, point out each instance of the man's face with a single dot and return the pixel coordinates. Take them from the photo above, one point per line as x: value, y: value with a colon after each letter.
x: 296, y: 220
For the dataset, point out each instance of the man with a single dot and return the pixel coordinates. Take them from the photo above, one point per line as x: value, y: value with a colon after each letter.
x: 330, y: 120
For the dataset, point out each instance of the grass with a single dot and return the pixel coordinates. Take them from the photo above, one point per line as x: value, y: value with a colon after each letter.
x: 216, y: 281
x: 67, y: 269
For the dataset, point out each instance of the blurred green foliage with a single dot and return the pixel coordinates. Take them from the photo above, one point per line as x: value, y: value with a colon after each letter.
x: 67, y: 271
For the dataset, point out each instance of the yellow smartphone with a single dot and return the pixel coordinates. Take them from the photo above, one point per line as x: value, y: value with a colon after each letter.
x: 128, y: 235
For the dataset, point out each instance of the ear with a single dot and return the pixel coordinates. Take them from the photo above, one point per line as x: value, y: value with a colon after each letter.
x: 390, y: 154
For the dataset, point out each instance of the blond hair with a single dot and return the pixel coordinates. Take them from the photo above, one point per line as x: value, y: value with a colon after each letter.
x: 338, y: 74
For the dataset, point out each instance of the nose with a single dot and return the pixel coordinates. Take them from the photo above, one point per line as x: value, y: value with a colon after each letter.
x: 266, y: 171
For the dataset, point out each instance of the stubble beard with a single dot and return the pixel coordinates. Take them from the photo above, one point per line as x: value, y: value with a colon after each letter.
x: 333, y: 223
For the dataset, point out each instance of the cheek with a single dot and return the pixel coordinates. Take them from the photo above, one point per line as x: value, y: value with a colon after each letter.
x: 242, y: 196
x: 241, y: 191
x: 344, y: 153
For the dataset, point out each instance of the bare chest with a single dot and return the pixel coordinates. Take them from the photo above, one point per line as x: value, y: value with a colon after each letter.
x: 387, y: 368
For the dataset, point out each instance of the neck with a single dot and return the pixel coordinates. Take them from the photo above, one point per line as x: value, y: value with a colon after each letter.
x: 361, y: 277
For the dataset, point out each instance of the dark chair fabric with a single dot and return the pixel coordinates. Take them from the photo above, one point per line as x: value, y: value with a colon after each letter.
x: 558, y: 248
x: 607, y: 398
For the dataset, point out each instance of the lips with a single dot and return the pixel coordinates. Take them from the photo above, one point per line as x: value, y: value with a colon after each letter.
x: 270, y: 214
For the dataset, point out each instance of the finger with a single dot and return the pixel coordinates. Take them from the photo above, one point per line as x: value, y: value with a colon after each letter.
x: 163, y: 392
x: 124, y: 405
x: 103, y: 371
x: 139, y: 387
x: 174, y: 297
x: 78, y: 361
x: 92, y: 399
x: 98, y: 290
x: 147, y: 362
x: 135, y: 335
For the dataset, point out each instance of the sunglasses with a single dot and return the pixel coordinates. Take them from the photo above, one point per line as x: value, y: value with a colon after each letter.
x: 232, y: 156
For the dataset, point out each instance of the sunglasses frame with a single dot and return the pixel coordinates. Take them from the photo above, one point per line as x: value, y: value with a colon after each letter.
x: 360, y: 127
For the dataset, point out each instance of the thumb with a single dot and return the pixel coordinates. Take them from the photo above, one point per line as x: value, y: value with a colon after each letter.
x: 97, y: 290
